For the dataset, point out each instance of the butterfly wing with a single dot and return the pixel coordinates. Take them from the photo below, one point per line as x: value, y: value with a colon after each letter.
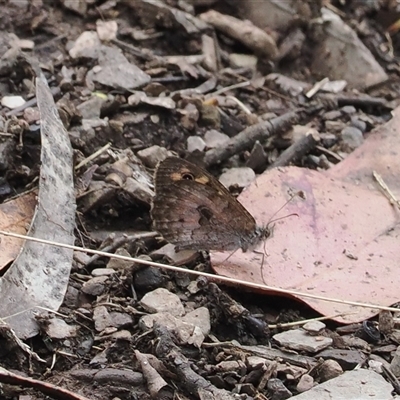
x: 194, y: 210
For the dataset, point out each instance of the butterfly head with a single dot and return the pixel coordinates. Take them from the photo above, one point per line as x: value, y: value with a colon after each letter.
x: 260, y: 234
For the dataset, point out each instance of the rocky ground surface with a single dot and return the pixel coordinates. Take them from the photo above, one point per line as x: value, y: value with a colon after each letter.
x: 238, y: 87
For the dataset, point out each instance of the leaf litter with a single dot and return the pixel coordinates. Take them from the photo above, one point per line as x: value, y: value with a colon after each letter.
x: 42, y: 272
x: 100, y: 341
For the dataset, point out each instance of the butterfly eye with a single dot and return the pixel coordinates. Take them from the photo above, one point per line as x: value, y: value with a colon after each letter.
x: 188, y: 177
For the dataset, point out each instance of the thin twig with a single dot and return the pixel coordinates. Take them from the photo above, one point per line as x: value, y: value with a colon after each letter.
x: 47, y: 388
x: 385, y: 188
x: 204, y: 274
x: 304, y: 321
x: 93, y: 156
x: 296, y: 151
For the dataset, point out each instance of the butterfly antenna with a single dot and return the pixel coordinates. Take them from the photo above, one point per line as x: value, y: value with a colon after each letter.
x: 230, y: 255
x: 300, y: 193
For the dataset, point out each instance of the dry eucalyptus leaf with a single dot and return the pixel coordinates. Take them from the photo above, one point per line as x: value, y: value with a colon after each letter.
x: 344, y: 243
x: 39, y: 275
x: 15, y: 216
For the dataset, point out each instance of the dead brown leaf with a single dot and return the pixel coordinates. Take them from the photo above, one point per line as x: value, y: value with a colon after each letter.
x: 343, y: 244
x: 15, y: 216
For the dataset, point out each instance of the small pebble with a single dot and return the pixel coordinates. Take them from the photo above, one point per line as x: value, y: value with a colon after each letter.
x: 349, y: 110
x: 352, y: 138
x: 332, y: 115
x: 214, y: 139
x: 148, y: 278
x: 278, y: 390
x: 313, y: 160
x: 199, y: 317
x: 314, y: 326
x: 334, y: 126
x: 306, y: 382
x: 120, y: 319
x: 329, y: 369
x: 12, y: 101
x: 107, y: 30
x: 324, y: 162
x: 152, y: 155
x: 241, y: 177
x: 195, y: 143
x: 117, y: 264
x: 101, y: 318
x: 31, y: 115
x: 328, y: 139
x: 375, y: 366
x: 359, y: 124
x: 301, y: 340
x: 57, y: 328
x: 395, y: 363
x: 102, y: 272
x: 94, y: 286
x: 162, y: 301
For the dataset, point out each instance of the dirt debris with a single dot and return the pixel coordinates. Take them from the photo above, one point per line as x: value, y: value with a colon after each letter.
x: 230, y: 87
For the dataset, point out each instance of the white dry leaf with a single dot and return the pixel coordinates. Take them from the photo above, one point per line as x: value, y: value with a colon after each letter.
x: 39, y: 275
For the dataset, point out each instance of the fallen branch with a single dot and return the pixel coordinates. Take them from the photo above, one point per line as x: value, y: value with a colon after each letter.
x: 261, y: 131
x: 46, y: 388
x: 296, y: 151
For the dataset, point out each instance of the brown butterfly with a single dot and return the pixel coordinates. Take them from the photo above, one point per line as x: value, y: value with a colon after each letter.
x: 193, y: 210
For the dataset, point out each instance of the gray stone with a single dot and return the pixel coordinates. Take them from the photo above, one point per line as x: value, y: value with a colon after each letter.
x: 359, y: 384
x: 214, y: 139
x: 106, y: 30
x: 153, y: 155
x: 103, y: 272
x: 121, y: 335
x: 277, y: 390
x: 349, y: 110
x: 199, y: 317
x: 90, y: 109
x: 314, y: 327
x: 12, y: 102
x: 161, y: 300
x: 328, y: 139
x: 299, y: 339
x: 57, y: 328
x: 79, y: 7
x: 87, y: 45
x: 120, y: 319
x: 184, y: 332
x: 306, y: 382
x: 395, y: 364
x: 332, y: 115
x: 352, y: 138
x: 117, y: 264
x: 353, y: 342
x: 241, y: 177
x: 348, y: 359
x: 101, y: 318
x: 195, y: 143
x: 329, y: 369
x: 148, y: 278
x: 255, y: 362
x: 95, y: 286
x: 71, y: 298
x: 359, y: 124
x: 114, y: 70
x: 334, y: 126
x: 243, y: 60
x: 290, y: 372
x: 7, y: 148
